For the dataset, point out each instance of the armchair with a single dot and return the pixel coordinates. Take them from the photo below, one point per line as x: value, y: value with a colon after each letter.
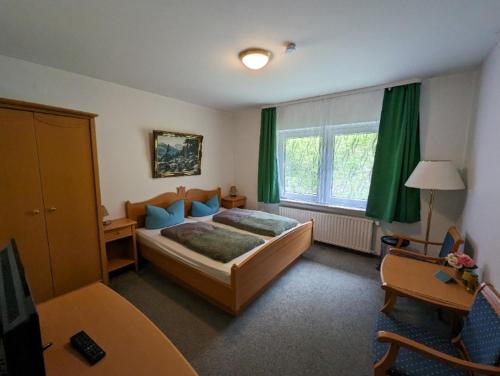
x: 451, y: 243
x: 402, y: 349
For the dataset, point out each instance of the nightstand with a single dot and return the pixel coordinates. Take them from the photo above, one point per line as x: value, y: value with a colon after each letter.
x: 121, y: 249
x: 229, y: 202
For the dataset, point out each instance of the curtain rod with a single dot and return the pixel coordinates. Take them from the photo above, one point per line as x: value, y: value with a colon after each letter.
x: 344, y: 93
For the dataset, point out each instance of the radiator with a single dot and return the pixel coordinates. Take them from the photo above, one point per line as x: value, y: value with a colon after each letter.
x: 342, y: 230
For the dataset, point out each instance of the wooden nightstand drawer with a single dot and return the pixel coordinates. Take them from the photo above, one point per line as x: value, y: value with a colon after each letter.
x: 117, y: 233
x: 121, y: 250
x: 229, y: 202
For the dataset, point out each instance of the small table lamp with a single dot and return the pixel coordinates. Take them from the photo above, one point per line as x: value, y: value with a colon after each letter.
x: 233, y: 192
x: 434, y: 175
x: 104, y: 213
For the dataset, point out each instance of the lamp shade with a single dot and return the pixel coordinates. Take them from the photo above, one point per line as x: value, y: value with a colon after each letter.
x: 439, y: 175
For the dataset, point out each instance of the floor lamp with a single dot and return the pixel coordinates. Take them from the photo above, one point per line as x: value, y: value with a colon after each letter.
x: 433, y: 176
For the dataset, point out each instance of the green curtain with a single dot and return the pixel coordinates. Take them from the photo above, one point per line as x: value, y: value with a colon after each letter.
x: 397, y: 154
x: 268, y: 188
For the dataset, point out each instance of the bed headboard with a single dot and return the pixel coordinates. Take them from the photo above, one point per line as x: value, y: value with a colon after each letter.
x: 199, y: 195
x: 137, y: 210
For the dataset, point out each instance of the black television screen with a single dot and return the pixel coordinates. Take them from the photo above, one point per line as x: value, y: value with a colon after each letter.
x: 21, y: 351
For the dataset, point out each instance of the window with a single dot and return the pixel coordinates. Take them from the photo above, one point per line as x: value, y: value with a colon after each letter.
x: 329, y: 165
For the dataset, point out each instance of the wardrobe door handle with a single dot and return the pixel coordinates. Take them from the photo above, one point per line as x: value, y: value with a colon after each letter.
x: 52, y: 209
x: 35, y: 211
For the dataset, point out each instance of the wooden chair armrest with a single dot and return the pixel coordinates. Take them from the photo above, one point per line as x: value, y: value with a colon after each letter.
x: 397, y: 340
x: 409, y: 238
x: 418, y: 256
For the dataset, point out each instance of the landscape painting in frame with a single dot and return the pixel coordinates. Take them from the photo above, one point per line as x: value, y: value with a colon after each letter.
x: 176, y: 154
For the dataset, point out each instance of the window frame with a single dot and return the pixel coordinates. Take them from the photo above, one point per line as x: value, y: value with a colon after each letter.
x: 283, y: 135
x: 326, y: 158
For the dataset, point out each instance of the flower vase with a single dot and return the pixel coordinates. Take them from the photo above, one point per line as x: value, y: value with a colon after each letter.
x: 469, y: 277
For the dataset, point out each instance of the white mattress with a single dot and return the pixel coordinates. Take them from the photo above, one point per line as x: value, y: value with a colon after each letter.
x: 218, y: 270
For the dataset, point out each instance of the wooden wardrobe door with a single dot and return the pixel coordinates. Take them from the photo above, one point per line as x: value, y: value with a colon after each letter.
x: 21, y: 204
x: 67, y: 171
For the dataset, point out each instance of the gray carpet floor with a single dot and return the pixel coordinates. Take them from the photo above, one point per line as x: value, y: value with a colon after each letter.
x: 316, y: 319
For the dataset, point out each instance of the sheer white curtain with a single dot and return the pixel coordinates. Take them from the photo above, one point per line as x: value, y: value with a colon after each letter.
x: 325, y: 148
x: 344, y: 109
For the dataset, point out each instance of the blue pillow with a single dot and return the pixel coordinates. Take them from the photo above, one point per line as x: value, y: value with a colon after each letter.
x: 159, y: 217
x: 200, y: 209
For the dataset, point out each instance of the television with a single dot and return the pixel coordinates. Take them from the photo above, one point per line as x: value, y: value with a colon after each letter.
x: 21, y: 350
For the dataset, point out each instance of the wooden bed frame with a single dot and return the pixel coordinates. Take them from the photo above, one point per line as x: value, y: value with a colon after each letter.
x: 248, y: 279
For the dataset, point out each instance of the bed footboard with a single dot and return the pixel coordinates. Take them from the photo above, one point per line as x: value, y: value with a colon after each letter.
x: 251, y: 277
x: 218, y: 293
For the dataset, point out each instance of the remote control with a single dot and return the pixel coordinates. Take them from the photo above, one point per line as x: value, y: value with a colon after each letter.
x: 86, y: 346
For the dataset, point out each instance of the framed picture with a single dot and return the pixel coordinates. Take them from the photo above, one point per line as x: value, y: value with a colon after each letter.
x: 176, y: 154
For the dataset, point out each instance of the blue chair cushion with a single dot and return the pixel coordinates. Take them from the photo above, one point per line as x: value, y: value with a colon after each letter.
x: 481, y: 332
x: 409, y: 363
x: 447, y: 246
x: 160, y: 218
x: 200, y: 209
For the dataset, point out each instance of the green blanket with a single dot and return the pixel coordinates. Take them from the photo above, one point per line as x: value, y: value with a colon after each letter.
x: 258, y: 222
x: 217, y: 243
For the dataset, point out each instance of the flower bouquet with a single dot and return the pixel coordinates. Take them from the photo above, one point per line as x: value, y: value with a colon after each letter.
x: 465, y: 265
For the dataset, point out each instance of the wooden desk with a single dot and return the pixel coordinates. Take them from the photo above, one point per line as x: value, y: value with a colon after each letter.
x: 403, y: 276
x: 133, y: 344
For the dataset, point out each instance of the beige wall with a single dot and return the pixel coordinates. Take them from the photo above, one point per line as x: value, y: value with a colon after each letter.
x: 246, y: 153
x: 480, y: 218
x: 447, y: 108
x: 126, y: 119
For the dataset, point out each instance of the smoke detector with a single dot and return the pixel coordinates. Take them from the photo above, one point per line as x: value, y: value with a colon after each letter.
x: 290, y: 47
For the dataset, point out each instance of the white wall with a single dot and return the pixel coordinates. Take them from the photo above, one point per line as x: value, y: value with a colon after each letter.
x: 230, y: 147
x: 126, y: 119
x: 481, y: 214
x: 447, y: 108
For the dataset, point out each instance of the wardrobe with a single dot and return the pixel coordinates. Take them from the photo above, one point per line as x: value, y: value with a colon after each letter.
x: 49, y: 195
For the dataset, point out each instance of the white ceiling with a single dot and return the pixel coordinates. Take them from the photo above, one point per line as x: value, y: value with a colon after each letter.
x: 187, y: 49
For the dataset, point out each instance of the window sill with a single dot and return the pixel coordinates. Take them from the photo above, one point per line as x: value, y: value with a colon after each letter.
x: 353, y: 212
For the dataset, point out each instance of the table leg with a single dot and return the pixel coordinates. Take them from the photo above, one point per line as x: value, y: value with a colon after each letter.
x: 457, y: 323
x: 389, y: 301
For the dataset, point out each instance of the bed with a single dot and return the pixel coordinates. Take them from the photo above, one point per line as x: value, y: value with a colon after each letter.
x: 230, y: 286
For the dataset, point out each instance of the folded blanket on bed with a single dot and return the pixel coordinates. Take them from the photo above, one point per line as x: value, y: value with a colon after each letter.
x: 255, y: 221
x: 217, y: 243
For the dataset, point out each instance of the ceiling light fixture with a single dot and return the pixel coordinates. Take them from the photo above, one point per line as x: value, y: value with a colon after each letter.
x: 255, y: 58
